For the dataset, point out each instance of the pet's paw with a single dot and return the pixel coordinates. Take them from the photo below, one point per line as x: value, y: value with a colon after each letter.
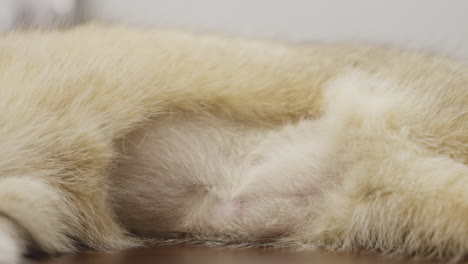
x: 11, y: 242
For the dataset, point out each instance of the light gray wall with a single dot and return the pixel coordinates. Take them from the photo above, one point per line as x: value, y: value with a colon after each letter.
x: 434, y: 25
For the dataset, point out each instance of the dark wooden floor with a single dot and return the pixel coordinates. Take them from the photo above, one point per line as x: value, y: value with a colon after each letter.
x: 204, y: 255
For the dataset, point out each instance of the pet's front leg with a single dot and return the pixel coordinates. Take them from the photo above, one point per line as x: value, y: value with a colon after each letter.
x: 32, y: 215
x: 12, y: 241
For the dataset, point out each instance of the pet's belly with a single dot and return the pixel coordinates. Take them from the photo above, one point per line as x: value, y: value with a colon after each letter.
x: 215, y: 178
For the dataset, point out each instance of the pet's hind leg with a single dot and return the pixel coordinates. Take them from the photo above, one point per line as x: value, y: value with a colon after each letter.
x: 397, y: 199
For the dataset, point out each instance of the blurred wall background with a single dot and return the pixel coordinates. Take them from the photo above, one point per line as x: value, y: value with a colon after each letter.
x: 434, y: 25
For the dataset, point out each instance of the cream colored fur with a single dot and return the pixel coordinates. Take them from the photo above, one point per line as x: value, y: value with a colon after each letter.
x: 106, y: 130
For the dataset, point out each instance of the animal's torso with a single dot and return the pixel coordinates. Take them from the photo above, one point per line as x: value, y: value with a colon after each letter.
x: 336, y: 146
x: 216, y: 178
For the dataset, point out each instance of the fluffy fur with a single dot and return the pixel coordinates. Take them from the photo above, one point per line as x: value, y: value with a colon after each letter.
x: 111, y: 130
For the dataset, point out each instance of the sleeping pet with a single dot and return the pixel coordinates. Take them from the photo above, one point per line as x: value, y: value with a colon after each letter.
x: 114, y: 137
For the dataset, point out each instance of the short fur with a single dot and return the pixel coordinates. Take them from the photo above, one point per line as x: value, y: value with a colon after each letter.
x: 110, y: 130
